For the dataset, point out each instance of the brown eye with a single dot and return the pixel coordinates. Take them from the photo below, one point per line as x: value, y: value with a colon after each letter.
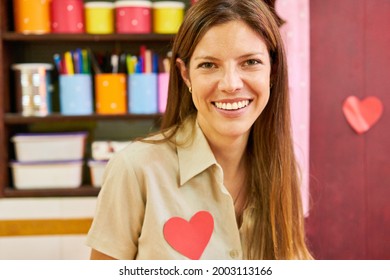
x: 250, y: 62
x: 206, y: 65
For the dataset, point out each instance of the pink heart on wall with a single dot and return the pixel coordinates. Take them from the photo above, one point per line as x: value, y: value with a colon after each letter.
x: 362, y: 114
x: 189, y: 238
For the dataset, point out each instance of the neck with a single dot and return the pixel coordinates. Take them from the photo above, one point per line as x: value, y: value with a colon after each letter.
x: 229, y: 151
x: 232, y: 158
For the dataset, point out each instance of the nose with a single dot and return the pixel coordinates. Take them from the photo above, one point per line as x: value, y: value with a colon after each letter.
x: 231, y: 80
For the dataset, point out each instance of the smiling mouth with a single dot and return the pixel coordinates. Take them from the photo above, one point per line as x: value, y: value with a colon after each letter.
x: 232, y: 106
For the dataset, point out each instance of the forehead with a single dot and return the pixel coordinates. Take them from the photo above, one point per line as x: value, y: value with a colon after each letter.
x: 230, y: 38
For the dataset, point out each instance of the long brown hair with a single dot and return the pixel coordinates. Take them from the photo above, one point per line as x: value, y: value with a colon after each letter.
x: 273, y: 219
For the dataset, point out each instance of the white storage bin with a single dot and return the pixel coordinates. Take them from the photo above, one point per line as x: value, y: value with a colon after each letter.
x: 96, y: 168
x: 44, y: 175
x: 104, y: 150
x: 32, y: 147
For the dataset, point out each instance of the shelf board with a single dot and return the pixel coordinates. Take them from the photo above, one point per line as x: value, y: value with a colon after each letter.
x: 14, y: 118
x: 84, y: 37
x: 81, y: 191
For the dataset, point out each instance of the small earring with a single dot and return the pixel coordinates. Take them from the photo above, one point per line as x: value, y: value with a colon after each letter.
x: 190, y: 89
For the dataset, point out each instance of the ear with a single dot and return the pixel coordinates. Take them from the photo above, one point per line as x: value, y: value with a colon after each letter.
x: 184, y: 72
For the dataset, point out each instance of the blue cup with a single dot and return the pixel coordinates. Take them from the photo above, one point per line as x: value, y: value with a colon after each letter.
x: 76, y: 94
x: 142, y: 93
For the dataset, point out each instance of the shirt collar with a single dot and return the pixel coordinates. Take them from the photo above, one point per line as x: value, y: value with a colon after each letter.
x: 193, y: 150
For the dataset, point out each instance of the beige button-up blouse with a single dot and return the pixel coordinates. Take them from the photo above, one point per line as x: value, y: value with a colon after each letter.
x: 166, y: 201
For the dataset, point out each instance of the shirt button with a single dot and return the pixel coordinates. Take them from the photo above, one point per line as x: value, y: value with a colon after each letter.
x: 234, y: 254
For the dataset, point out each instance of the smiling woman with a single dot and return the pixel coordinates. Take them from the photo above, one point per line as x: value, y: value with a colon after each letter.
x: 230, y: 86
x: 220, y: 180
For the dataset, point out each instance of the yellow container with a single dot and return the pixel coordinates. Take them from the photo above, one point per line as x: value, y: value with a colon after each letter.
x: 111, y: 97
x: 99, y: 17
x: 167, y: 16
x: 32, y: 16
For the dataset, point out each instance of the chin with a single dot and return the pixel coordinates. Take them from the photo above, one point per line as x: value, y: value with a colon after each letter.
x: 234, y: 132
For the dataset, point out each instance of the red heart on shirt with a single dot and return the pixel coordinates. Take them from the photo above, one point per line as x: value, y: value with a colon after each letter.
x: 190, y: 238
x: 362, y: 115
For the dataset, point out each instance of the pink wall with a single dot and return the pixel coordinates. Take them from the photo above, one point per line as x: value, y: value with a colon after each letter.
x: 296, y: 35
x: 349, y: 172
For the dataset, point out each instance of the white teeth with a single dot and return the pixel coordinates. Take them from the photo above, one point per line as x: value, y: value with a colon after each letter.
x: 232, y: 106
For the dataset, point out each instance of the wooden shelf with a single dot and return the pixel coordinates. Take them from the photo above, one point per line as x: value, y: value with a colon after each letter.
x: 76, y: 192
x: 152, y: 37
x: 14, y: 119
x: 27, y: 48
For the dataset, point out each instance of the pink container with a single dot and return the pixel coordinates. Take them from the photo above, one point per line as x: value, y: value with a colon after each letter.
x: 162, y: 91
x: 133, y: 16
x: 67, y: 16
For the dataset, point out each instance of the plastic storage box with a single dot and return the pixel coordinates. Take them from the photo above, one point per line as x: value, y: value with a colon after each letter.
x: 33, y: 147
x: 96, y: 168
x: 99, y: 17
x: 167, y: 16
x: 32, y: 16
x: 44, y: 175
x: 104, y: 150
x: 133, y: 16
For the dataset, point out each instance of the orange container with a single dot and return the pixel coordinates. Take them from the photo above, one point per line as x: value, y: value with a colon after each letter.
x: 32, y: 16
x: 110, y: 90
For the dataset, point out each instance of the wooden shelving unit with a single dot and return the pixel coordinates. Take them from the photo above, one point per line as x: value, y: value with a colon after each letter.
x: 21, y: 48
x: 18, y: 119
x: 144, y: 38
x: 85, y: 190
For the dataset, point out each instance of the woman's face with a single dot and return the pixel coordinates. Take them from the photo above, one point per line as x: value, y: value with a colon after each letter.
x: 229, y: 73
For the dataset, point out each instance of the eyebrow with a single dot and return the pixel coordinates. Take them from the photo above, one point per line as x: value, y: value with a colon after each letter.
x: 208, y: 57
